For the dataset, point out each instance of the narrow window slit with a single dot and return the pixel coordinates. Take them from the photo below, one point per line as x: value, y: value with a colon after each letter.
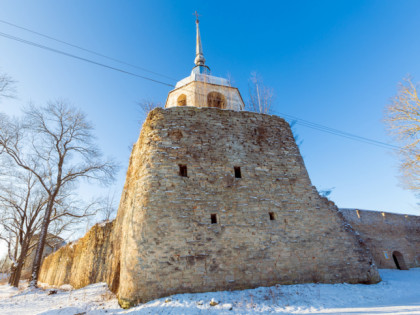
x: 183, y: 170
x: 213, y: 218
x: 272, y: 217
x: 237, y: 170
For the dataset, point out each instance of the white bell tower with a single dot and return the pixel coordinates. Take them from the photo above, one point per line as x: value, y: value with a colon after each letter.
x: 201, y: 89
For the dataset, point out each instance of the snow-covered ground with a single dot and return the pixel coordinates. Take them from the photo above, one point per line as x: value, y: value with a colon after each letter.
x: 398, y: 293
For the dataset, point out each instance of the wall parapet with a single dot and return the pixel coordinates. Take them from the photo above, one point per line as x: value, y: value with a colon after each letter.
x: 394, y: 239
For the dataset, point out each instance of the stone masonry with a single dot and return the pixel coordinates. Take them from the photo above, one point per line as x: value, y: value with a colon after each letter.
x: 387, y: 234
x: 87, y: 261
x: 210, y: 230
x: 218, y: 199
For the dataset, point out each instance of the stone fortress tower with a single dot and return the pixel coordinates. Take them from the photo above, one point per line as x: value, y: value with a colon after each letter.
x: 215, y: 198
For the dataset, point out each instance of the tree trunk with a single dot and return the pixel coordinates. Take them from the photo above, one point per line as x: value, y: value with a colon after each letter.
x: 15, y: 276
x: 17, y: 270
x: 12, y: 274
x: 40, y: 247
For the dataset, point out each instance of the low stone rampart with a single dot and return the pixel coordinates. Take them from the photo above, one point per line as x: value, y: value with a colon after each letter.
x: 83, y: 262
x: 387, y: 234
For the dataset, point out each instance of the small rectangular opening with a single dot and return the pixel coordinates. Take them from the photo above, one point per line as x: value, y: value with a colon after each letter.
x: 183, y: 170
x: 213, y: 218
x: 272, y: 217
x: 237, y: 170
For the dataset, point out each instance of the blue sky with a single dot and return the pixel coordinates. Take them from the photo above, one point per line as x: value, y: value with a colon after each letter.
x: 336, y: 63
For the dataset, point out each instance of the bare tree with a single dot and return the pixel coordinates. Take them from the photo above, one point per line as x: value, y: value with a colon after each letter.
x: 146, y: 105
x: 22, y: 203
x: 108, y: 207
x: 4, y: 266
x: 402, y: 117
x: 55, y: 144
x: 7, y: 86
x: 260, y: 96
x: 229, y: 78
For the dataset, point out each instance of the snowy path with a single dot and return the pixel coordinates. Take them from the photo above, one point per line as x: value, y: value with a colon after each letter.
x: 398, y: 293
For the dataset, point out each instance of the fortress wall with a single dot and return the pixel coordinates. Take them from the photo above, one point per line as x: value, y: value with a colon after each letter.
x: 83, y: 262
x: 386, y: 233
x: 96, y: 257
x: 168, y: 242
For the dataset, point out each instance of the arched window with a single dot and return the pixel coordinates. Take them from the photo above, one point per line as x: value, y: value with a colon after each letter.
x: 182, y: 100
x: 215, y: 99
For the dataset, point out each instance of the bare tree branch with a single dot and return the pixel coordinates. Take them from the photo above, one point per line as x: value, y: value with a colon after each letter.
x: 7, y: 86
x: 402, y: 117
x: 260, y: 96
x: 108, y: 207
x: 56, y: 145
x: 22, y: 203
x: 147, y: 105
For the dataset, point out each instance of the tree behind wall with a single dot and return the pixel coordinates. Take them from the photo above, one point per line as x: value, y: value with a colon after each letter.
x: 402, y: 117
x: 22, y: 203
x: 54, y: 143
x: 147, y: 105
x: 260, y: 96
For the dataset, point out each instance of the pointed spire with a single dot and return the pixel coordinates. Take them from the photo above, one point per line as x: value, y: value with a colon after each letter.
x: 199, y: 60
x: 199, y: 57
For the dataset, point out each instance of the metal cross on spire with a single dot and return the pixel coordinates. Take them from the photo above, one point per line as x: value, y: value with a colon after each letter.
x: 196, y: 17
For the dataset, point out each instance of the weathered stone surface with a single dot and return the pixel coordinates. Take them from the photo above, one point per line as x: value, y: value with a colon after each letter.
x: 272, y: 225
x: 83, y: 262
x: 52, y: 244
x: 386, y: 233
x: 168, y: 242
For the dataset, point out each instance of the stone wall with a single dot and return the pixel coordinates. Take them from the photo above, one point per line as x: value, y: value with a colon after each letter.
x: 169, y: 244
x: 386, y: 233
x: 83, y: 262
x: 210, y: 230
x: 52, y: 244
